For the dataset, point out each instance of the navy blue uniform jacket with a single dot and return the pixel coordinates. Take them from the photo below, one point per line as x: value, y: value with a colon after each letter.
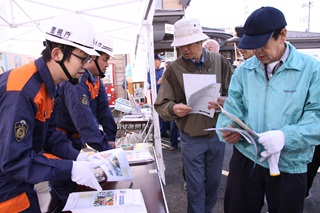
x: 79, y: 109
x: 26, y: 102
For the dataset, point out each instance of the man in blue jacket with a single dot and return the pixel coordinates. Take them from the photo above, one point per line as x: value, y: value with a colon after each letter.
x: 276, y: 93
x: 164, y: 126
x: 26, y: 102
x: 80, y: 109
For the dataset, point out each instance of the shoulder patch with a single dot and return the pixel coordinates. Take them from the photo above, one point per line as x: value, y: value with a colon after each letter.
x: 21, y: 129
x: 84, y: 100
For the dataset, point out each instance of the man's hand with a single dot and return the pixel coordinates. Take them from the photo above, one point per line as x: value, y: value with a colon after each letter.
x: 181, y: 110
x: 231, y: 137
x: 214, y: 105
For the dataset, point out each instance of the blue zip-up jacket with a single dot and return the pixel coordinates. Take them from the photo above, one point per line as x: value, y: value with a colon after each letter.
x: 289, y: 101
x: 79, y: 109
x: 158, y: 73
x: 26, y: 102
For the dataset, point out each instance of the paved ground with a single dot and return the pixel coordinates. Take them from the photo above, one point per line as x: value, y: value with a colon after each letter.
x: 176, y: 195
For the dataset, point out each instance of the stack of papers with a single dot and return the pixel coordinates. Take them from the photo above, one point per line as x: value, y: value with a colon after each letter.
x: 133, y: 116
x: 139, y: 156
x: 111, y: 201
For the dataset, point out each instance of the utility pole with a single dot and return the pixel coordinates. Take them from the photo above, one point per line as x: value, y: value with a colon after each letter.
x: 309, y: 5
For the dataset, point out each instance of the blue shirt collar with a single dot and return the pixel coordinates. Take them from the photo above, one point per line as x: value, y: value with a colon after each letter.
x: 92, y: 78
x: 199, y: 64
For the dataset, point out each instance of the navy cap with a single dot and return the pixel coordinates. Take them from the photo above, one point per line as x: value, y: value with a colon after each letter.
x: 259, y: 27
x: 157, y: 56
x: 238, y: 33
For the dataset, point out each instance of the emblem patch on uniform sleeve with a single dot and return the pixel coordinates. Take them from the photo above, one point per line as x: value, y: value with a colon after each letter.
x: 20, y: 130
x: 84, y: 100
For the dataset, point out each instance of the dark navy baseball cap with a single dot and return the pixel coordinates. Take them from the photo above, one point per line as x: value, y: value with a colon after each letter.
x: 259, y: 27
x: 157, y: 56
x: 238, y: 33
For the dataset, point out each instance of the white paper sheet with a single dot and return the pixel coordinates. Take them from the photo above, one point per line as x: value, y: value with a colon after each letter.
x: 199, y: 90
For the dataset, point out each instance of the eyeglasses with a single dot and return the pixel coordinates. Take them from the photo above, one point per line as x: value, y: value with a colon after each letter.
x: 83, y: 59
x: 258, y: 50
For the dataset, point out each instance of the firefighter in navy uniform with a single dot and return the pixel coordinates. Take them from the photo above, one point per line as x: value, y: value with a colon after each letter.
x: 26, y: 102
x: 80, y: 109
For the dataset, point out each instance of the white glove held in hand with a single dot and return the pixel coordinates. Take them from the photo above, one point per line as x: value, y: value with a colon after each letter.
x: 273, y: 141
x: 82, y: 173
x: 264, y: 155
x: 82, y: 156
x: 273, y: 161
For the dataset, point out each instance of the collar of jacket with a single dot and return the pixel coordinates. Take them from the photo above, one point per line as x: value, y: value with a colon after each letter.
x: 291, y: 63
x: 91, y: 78
x: 46, y: 76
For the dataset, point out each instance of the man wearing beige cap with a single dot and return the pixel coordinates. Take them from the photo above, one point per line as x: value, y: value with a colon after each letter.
x: 276, y: 93
x: 202, y: 152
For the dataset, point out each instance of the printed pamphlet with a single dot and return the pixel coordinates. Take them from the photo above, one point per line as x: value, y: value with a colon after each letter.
x: 247, y: 133
x: 115, y: 164
x: 114, y: 201
x: 200, y: 89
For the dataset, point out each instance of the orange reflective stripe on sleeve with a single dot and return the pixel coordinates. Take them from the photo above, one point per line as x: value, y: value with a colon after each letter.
x: 63, y: 130
x: 16, y: 204
x: 51, y: 156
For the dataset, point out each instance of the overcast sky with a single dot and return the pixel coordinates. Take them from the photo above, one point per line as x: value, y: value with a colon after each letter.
x: 231, y: 13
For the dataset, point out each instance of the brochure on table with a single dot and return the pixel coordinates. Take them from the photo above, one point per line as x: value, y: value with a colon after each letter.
x: 139, y: 156
x: 111, y: 201
x: 115, y: 164
x: 199, y: 90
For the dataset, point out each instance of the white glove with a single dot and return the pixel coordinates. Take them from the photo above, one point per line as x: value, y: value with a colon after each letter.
x: 273, y: 141
x: 273, y: 161
x: 83, y: 156
x: 264, y: 155
x: 82, y: 173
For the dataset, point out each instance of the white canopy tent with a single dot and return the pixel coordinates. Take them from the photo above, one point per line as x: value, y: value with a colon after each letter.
x: 127, y: 22
x: 22, y: 22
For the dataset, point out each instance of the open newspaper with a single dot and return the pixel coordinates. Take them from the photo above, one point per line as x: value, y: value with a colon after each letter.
x: 112, y: 201
x: 115, y: 164
x: 200, y: 89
